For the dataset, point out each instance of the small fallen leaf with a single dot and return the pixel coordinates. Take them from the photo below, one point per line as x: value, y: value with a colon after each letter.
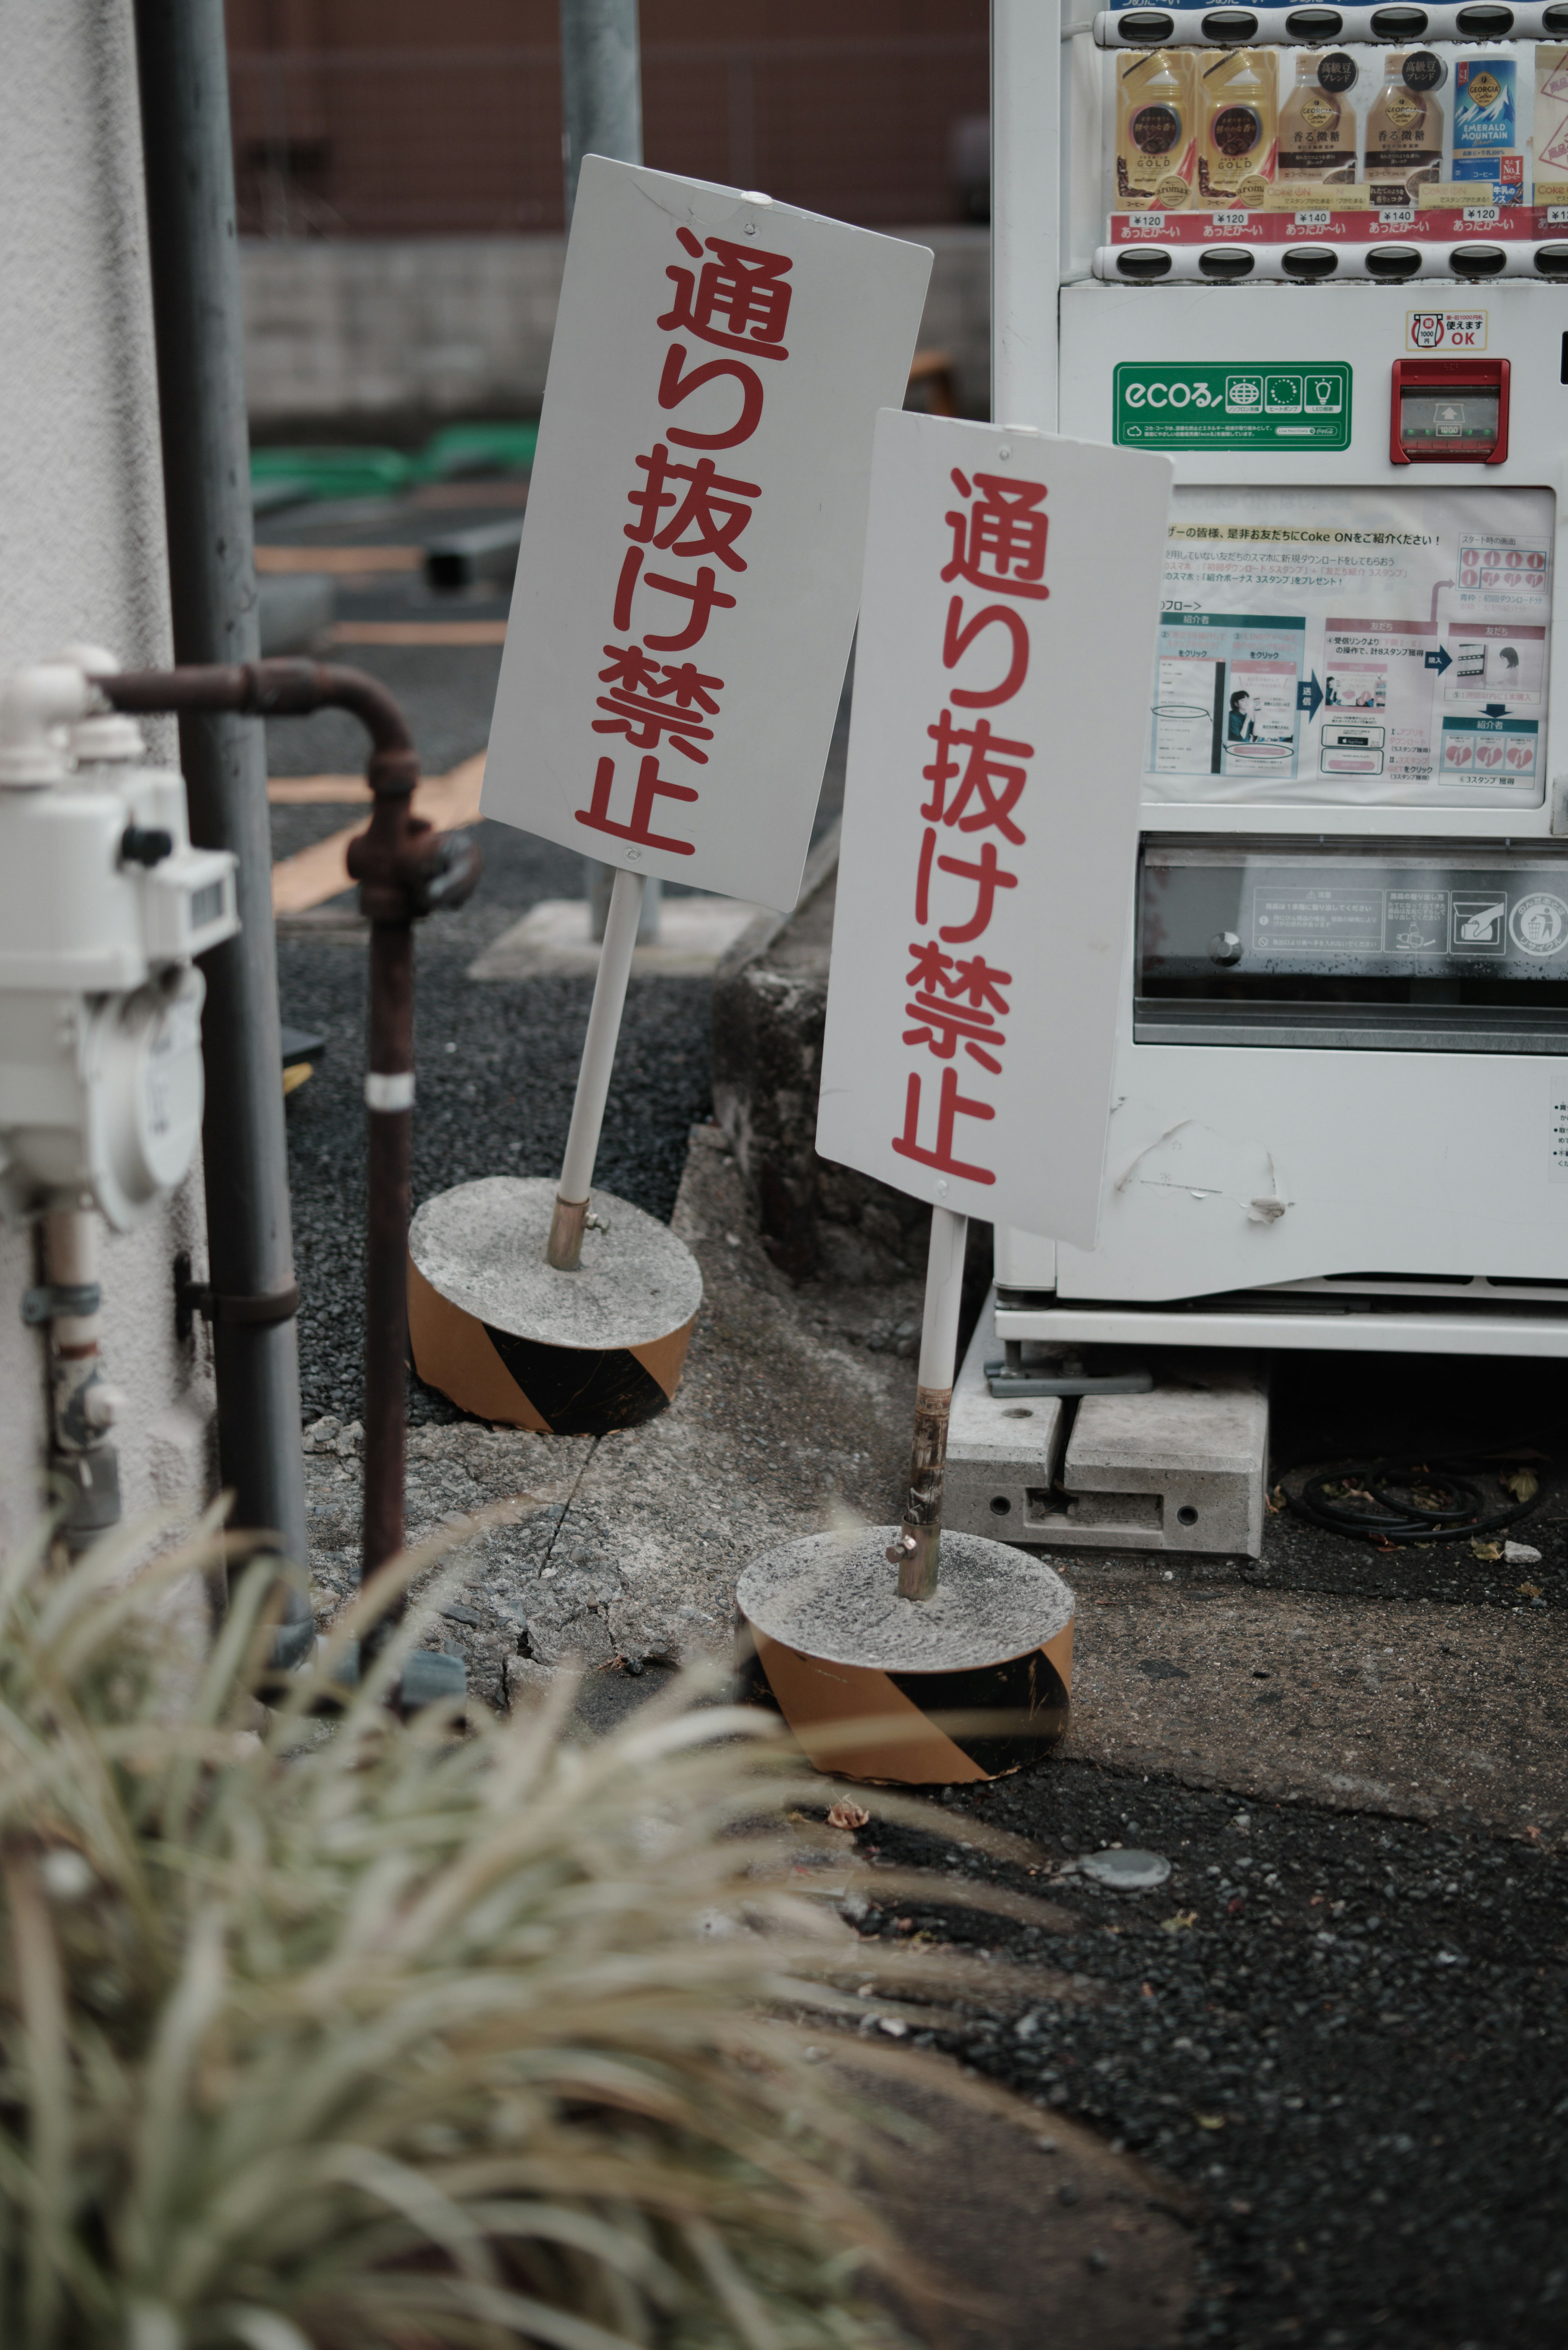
x: 1522, y: 1484
x: 846, y: 1813
x: 1530, y: 1590
x: 1179, y: 1923
x: 1210, y: 2121
x: 1485, y: 1549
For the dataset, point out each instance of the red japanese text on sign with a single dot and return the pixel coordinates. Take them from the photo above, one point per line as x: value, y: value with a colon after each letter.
x: 739, y: 299
x: 977, y: 779
x: 987, y: 855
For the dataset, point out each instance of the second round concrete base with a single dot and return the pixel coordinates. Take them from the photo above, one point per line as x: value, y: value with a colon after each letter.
x: 926, y: 1692
x: 508, y: 1337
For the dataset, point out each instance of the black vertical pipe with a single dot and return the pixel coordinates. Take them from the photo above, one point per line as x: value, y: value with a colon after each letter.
x: 188, y: 159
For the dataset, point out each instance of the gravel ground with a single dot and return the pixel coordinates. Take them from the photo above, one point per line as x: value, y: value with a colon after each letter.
x: 495, y: 1071
x: 1346, y: 2033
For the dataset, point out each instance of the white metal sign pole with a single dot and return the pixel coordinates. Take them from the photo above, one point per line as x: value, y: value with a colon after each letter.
x: 570, y: 1219
x: 686, y: 587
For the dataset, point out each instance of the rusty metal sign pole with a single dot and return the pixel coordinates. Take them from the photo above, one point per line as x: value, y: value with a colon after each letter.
x: 917, y: 1554
x: 405, y: 869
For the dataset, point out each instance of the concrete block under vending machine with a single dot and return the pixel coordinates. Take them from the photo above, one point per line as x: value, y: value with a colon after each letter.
x: 1181, y: 1468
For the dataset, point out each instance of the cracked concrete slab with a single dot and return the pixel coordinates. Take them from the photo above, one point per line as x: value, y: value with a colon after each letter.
x: 794, y: 1413
x: 1427, y: 1711
x: 795, y: 1406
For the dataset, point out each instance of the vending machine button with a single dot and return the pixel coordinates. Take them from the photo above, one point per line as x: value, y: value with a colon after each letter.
x: 1309, y: 262
x: 1143, y: 263
x: 1554, y: 20
x: 1477, y: 261
x: 1393, y: 261
x: 1484, y: 24
x: 1398, y: 24
x: 1227, y: 261
x: 1552, y: 260
x: 1314, y: 24
x: 1146, y: 24
x: 1230, y: 25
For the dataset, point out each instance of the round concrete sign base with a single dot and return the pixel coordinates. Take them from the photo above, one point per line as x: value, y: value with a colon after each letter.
x: 509, y: 1339
x: 926, y: 1692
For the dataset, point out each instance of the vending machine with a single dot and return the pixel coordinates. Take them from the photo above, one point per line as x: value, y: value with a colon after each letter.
x: 1319, y: 257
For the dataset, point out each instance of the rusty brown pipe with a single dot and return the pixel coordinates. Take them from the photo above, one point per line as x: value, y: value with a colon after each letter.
x: 404, y: 870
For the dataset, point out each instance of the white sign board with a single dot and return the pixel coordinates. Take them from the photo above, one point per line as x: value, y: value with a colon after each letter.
x: 986, y: 879
x: 686, y: 589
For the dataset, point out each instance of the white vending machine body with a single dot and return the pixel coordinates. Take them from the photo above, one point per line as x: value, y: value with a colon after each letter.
x: 1341, y: 1097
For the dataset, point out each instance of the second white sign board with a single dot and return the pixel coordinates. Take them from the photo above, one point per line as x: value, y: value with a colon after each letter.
x: 1007, y: 628
x: 686, y: 589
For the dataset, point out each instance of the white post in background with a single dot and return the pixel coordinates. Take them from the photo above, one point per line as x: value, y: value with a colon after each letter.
x: 622, y: 926
x: 601, y: 114
x: 917, y: 1554
x: 1026, y: 210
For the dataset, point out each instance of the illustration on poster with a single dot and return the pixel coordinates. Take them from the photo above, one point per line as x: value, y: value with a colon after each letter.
x: 1396, y: 658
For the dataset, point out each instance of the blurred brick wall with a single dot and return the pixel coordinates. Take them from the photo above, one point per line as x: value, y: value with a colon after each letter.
x: 401, y: 118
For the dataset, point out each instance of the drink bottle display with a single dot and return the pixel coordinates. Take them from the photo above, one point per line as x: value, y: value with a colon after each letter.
x: 1405, y: 128
x: 1236, y: 149
x: 1317, y: 126
x: 1486, y: 143
x: 1155, y: 141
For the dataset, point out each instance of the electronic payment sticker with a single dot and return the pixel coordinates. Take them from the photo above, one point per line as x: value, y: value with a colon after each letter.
x: 1007, y: 632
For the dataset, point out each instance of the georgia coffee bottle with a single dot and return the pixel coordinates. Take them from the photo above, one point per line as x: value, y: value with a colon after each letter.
x: 1155, y: 139
x: 1236, y: 149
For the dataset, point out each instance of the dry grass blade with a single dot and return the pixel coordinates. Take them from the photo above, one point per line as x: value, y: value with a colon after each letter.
x: 378, y: 2036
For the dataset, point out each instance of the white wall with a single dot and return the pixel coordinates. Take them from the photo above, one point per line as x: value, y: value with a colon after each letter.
x: 446, y: 326
x: 81, y: 525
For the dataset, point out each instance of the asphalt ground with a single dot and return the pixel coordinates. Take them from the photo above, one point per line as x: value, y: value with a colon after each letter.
x: 1345, y: 2033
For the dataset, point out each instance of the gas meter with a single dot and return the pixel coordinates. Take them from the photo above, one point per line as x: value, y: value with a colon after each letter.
x: 103, y: 906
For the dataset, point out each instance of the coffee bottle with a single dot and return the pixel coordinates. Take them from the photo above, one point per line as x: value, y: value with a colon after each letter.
x: 1155, y: 141
x: 1317, y: 126
x: 1240, y: 135
x: 1405, y: 129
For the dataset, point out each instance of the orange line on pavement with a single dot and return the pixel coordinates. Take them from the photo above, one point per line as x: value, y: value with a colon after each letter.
x: 271, y: 560
x: 314, y: 791
x: 418, y: 632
